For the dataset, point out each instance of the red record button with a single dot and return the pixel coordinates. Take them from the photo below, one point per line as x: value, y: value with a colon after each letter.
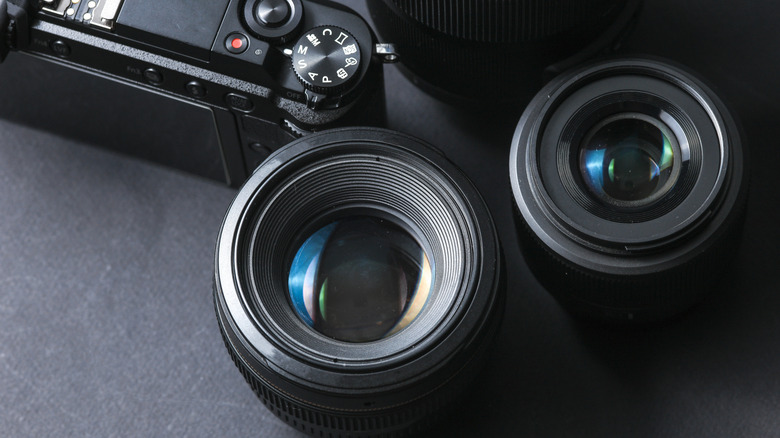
x: 236, y: 43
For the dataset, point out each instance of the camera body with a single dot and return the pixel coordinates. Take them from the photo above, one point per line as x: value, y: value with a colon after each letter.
x: 233, y: 58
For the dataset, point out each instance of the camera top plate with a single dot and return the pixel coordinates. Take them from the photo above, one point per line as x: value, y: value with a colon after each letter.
x: 187, y: 26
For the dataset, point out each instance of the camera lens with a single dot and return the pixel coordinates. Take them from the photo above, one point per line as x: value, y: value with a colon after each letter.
x: 499, y: 51
x: 360, y: 279
x: 358, y: 283
x: 627, y: 160
x: 628, y: 174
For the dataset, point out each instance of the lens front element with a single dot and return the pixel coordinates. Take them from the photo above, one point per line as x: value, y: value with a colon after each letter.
x: 360, y: 279
x: 358, y: 283
x: 630, y: 183
x: 628, y: 160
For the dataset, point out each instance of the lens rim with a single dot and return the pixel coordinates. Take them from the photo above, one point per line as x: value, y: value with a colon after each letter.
x: 324, y: 183
x: 565, y: 226
x: 567, y: 122
x: 379, y: 366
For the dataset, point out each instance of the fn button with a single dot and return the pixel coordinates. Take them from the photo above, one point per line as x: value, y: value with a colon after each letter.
x: 153, y: 76
x: 239, y: 102
x: 196, y: 89
x: 60, y: 48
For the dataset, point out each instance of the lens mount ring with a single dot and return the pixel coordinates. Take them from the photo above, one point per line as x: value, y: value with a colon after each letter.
x: 619, y: 255
x: 340, y: 174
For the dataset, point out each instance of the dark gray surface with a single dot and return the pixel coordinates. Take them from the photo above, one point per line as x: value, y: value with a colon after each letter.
x: 107, y: 326
x: 106, y: 320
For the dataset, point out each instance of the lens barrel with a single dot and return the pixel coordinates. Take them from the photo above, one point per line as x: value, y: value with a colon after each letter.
x: 630, y: 185
x: 496, y: 52
x: 358, y: 283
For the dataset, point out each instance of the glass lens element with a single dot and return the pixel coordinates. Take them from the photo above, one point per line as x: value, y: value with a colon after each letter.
x: 360, y: 279
x: 628, y: 161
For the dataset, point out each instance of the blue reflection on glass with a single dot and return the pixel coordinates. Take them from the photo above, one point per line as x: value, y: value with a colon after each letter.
x: 594, y: 165
x: 303, y: 273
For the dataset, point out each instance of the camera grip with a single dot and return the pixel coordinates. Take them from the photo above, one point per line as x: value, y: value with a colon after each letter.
x: 3, y: 27
x: 14, y: 25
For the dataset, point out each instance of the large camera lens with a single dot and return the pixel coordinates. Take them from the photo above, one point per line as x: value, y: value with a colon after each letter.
x: 629, y: 181
x: 358, y: 283
x: 497, y: 51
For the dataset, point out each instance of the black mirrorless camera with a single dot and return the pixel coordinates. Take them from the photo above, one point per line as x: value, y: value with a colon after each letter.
x: 359, y: 278
x: 268, y: 71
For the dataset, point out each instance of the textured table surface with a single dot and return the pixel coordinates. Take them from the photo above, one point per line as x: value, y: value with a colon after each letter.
x: 107, y: 326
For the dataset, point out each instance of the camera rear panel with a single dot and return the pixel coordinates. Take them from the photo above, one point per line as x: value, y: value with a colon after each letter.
x: 111, y: 115
x: 187, y: 51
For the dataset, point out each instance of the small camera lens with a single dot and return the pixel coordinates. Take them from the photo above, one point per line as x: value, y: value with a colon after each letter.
x: 627, y: 160
x: 628, y: 174
x: 360, y: 279
x: 358, y: 283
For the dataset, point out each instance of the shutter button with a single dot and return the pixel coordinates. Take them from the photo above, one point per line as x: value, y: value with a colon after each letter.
x: 273, y: 13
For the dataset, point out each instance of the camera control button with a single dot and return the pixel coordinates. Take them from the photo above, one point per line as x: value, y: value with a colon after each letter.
x: 236, y: 43
x: 196, y: 89
x: 153, y: 76
x: 239, y: 102
x: 273, y: 13
x: 273, y: 20
x: 60, y: 48
x: 314, y: 100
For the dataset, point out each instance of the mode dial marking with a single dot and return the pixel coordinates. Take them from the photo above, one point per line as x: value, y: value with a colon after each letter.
x: 326, y: 59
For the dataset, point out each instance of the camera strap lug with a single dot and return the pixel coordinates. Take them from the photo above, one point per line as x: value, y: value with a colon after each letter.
x: 314, y: 99
x: 387, y: 52
x: 14, y: 25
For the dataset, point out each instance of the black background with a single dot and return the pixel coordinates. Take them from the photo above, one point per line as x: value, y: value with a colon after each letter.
x: 107, y: 326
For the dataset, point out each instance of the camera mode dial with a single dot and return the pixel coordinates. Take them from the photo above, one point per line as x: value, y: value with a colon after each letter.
x: 326, y: 59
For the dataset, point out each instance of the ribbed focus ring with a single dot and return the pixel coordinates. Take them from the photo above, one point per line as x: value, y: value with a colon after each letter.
x: 496, y: 51
x: 507, y: 21
x: 405, y: 420
x: 362, y: 181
